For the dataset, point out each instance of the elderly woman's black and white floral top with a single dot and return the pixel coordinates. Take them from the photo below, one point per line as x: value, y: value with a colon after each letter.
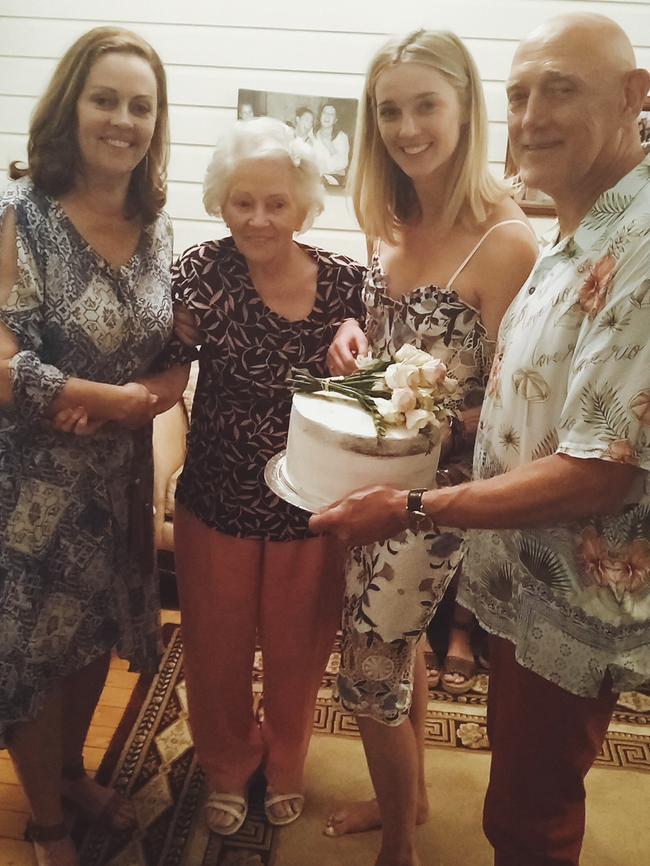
x: 240, y: 414
x: 70, y: 588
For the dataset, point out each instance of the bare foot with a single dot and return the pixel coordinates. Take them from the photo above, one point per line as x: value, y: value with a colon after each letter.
x: 96, y: 801
x: 362, y: 816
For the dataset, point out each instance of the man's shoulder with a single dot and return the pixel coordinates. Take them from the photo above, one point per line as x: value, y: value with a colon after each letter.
x: 621, y: 214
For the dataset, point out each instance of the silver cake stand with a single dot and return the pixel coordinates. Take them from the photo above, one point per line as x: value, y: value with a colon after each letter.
x: 275, y: 475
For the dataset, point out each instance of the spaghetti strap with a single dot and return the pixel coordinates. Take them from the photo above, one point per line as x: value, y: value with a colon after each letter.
x: 467, y: 260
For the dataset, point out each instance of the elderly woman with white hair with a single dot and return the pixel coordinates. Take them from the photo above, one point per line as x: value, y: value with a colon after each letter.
x: 246, y: 562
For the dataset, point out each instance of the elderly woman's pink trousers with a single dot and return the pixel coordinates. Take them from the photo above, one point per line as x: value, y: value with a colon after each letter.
x: 234, y: 592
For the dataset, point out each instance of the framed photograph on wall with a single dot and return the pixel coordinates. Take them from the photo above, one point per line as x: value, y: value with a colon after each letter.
x: 325, y: 123
x: 532, y: 201
x: 644, y: 125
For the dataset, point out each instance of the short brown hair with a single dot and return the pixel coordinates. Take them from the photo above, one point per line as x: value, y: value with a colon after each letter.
x: 52, y: 152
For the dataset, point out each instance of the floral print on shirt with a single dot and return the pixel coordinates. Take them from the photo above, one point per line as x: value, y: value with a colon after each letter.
x: 572, y: 376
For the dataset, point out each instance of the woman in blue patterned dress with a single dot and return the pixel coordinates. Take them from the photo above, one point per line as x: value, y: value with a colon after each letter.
x: 449, y: 250
x: 85, y: 307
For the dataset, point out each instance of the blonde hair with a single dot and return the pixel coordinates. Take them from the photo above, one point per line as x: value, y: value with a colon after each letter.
x: 263, y: 138
x: 52, y: 150
x: 382, y: 193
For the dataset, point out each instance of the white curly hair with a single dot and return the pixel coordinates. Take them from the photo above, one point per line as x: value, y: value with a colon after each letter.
x: 264, y: 138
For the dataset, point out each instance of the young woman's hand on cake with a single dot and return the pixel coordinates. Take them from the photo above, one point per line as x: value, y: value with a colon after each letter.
x: 369, y: 514
x: 348, y: 344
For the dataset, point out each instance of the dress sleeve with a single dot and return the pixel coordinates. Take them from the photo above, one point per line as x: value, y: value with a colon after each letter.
x: 607, y: 410
x: 34, y: 384
x: 354, y: 298
x: 349, y: 284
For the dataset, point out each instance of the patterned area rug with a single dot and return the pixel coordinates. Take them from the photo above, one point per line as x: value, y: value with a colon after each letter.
x: 152, y: 760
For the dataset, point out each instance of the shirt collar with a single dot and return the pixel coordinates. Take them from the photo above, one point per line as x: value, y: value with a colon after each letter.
x: 625, y: 191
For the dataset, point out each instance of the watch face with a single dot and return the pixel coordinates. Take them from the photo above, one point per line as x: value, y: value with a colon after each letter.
x: 414, y: 501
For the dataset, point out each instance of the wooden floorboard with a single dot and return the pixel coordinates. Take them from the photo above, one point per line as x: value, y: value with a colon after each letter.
x: 13, y: 804
x: 15, y: 852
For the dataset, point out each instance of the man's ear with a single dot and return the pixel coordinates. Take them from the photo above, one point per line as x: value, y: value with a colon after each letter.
x: 636, y: 89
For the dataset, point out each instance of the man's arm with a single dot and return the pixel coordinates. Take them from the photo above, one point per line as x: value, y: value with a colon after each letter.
x: 555, y: 489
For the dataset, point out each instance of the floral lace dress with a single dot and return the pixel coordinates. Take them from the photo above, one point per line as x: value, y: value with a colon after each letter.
x: 393, y: 588
x: 71, y: 586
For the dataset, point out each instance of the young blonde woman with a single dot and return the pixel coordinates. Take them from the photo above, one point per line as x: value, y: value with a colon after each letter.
x: 449, y: 250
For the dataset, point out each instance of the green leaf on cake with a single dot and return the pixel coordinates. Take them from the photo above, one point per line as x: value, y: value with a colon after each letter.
x: 359, y: 386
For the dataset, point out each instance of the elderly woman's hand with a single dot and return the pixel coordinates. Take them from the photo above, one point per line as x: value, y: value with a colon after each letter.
x: 135, y: 406
x: 349, y: 342
x: 75, y: 421
x: 370, y: 514
x: 185, y: 326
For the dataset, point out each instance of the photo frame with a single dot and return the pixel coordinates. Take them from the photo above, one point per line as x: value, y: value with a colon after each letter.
x: 534, y: 202
x: 644, y: 125
x: 324, y: 122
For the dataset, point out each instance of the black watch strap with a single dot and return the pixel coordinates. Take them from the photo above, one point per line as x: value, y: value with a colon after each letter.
x: 414, y: 501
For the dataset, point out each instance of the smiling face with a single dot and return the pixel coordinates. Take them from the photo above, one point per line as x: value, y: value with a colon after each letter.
x: 261, y: 209
x: 116, y: 115
x: 564, y: 115
x: 304, y: 124
x: 328, y: 116
x: 418, y: 118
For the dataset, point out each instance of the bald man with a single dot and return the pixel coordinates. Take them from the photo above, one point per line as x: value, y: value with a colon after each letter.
x: 562, y: 580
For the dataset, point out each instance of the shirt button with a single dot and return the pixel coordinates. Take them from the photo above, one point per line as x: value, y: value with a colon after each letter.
x: 531, y: 290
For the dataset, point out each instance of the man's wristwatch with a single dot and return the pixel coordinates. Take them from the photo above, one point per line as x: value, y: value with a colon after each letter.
x: 414, y: 502
x: 418, y: 518
x: 414, y: 507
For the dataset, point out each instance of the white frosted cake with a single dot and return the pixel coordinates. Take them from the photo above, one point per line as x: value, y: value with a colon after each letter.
x: 333, y: 449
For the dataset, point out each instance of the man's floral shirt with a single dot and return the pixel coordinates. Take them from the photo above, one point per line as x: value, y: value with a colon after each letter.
x: 572, y: 376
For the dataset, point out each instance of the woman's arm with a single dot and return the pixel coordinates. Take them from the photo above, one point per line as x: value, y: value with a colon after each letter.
x: 500, y: 268
x: 130, y: 404
x: 31, y: 388
x: 167, y: 386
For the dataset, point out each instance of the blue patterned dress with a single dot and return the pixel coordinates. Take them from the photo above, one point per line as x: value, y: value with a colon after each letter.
x: 71, y: 587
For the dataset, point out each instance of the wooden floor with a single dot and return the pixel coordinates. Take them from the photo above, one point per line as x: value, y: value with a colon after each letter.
x: 13, y: 805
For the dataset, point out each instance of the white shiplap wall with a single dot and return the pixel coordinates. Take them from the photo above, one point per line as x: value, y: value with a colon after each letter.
x: 211, y: 48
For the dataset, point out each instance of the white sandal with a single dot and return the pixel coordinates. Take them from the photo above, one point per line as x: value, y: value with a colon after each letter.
x: 273, y: 799
x: 231, y: 804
